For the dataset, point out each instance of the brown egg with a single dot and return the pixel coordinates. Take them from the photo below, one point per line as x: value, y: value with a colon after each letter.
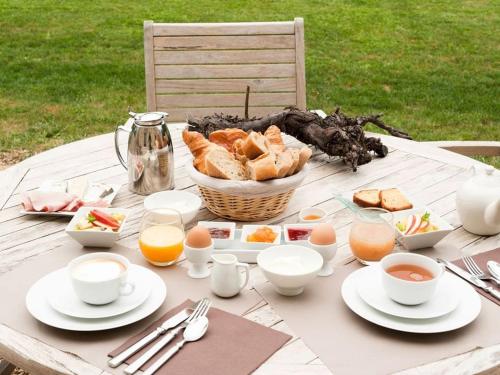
x: 198, y: 237
x: 323, y: 234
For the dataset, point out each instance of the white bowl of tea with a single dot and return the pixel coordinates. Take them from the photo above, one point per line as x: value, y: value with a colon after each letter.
x: 410, y: 279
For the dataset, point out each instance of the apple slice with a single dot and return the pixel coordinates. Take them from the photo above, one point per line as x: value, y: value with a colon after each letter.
x: 424, y: 225
x: 413, y: 224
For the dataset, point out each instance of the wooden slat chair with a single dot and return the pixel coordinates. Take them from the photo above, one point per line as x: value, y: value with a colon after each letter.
x: 470, y: 148
x: 202, y: 68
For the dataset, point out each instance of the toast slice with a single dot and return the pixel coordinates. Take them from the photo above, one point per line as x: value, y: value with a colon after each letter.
x: 296, y: 157
x: 394, y: 200
x: 262, y: 168
x: 255, y: 145
x: 367, y: 198
x: 222, y: 164
x: 304, y: 155
x: 284, y: 161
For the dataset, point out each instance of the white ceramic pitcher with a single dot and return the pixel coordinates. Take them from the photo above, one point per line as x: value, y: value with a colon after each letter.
x: 226, y: 280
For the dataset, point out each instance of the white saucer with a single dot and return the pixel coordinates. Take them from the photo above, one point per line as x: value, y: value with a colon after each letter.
x: 64, y: 299
x: 39, y: 307
x: 467, y: 310
x: 370, y: 289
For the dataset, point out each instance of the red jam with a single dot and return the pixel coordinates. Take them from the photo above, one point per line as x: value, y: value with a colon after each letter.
x: 299, y: 234
x: 219, y: 233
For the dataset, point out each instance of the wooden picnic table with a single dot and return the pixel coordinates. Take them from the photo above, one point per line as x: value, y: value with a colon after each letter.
x: 430, y: 175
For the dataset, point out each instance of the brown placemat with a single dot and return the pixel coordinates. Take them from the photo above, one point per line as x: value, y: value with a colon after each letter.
x: 232, y: 345
x: 481, y: 260
x: 348, y: 344
x: 94, y: 346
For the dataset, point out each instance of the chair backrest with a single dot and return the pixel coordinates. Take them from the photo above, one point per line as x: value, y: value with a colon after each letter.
x: 202, y: 68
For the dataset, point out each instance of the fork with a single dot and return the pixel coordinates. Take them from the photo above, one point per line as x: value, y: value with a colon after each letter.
x: 474, y: 269
x: 200, y: 310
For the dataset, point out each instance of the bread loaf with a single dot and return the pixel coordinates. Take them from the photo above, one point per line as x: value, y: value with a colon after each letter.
x: 263, y: 168
x: 296, y: 157
x: 221, y: 163
x: 284, y: 162
x: 199, y: 147
x: 273, y: 135
x: 304, y: 155
x: 255, y: 145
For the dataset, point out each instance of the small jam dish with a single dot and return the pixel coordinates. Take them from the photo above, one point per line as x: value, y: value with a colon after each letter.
x: 222, y: 232
x: 421, y: 240
x: 250, y: 229
x: 297, y: 234
x: 312, y: 215
x: 91, y: 237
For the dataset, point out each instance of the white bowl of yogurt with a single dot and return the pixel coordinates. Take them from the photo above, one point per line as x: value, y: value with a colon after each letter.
x: 289, y: 267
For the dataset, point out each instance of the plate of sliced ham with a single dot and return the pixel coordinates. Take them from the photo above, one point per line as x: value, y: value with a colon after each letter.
x: 64, y: 198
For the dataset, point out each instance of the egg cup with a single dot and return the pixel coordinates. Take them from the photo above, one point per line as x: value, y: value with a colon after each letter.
x: 327, y: 252
x: 198, y: 260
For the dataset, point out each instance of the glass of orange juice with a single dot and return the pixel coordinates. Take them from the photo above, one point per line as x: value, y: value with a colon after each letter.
x: 372, y: 235
x: 161, y: 236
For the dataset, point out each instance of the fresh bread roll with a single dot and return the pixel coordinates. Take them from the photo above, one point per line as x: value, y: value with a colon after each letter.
x: 262, y: 168
x: 227, y: 137
x: 304, y: 155
x: 273, y: 135
x: 394, y: 200
x: 221, y: 163
x: 199, y: 147
x: 296, y: 157
x: 255, y: 145
x: 284, y: 162
x: 367, y: 198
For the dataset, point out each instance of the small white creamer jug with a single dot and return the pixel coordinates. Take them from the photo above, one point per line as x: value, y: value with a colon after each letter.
x: 226, y: 280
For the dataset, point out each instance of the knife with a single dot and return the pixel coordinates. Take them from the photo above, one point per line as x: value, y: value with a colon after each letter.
x: 165, y: 326
x: 470, y: 278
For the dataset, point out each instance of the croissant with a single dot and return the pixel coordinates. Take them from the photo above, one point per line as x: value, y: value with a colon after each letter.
x: 199, y: 147
x: 227, y: 137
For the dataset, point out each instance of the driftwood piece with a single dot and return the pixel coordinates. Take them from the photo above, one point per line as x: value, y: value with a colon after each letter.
x: 336, y: 134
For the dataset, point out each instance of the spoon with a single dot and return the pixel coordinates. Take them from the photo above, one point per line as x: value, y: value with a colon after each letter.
x: 494, y: 269
x: 193, y: 332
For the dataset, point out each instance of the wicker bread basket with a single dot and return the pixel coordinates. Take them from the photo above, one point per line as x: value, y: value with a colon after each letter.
x: 246, y: 200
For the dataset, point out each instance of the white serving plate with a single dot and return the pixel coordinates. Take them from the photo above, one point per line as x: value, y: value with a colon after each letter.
x: 243, y: 251
x: 467, y: 311
x: 444, y: 301
x: 109, y: 199
x: 39, y: 307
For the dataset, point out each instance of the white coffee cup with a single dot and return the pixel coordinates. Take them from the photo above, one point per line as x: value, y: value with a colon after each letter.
x: 410, y: 292
x: 100, y: 278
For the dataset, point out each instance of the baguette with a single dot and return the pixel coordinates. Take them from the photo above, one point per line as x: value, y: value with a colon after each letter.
x: 304, y: 155
x: 296, y: 157
x: 199, y: 147
x: 263, y: 168
x: 367, y: 198
x: 394, y: 200
x: 255, y: 145
x: 221, y: 163
x: 227, y: 137
x: 273, y: 135
x: 284, y: 162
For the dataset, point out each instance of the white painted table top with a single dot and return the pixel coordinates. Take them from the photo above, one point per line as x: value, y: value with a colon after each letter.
x: 428, y: 174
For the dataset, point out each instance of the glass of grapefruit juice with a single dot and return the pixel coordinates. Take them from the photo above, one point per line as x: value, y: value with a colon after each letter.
x: 161, y: 236
x: 372, y: 235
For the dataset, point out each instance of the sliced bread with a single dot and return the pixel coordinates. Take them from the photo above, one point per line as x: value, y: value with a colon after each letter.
x: 367, y: 198
x: 255, y: 145
x: 284, y: 161
x: 221, y: 163
x: 262, y: 168
x: 394, y: 200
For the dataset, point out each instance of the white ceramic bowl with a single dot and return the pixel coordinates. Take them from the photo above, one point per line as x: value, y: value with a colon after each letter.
x: 421, y: 240
x: 289, y: 267
x: 249, y: 229
x: 93, y: 238
x: 312, y: 211
x: 185, y: 202
x: 410, y: 292
x: 220, y: 243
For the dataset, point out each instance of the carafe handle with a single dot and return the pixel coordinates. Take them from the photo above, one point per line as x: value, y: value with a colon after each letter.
x: 117, y: 146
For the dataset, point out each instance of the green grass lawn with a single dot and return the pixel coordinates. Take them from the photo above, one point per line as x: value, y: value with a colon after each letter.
x: 69, y: 69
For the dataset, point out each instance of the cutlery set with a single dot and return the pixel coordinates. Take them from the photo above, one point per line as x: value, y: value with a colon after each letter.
x: 192, y: 321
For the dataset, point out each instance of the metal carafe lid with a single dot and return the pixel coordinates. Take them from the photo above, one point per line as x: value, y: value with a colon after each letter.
x: 148, y: 118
